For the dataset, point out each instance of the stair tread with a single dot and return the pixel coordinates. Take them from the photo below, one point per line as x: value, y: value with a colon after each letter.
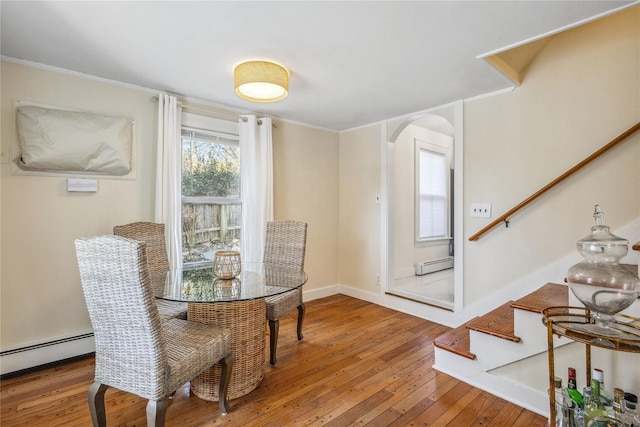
x: 549, y: 295
x: 498, y: 322
x: 456, y: 341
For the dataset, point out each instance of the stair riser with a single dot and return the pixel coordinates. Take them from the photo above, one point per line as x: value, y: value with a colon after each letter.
x: 447, y: 361
x: 529, y: 327
x: 492, y: 352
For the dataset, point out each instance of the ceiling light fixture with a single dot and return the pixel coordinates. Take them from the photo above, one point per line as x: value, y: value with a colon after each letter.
x: 261, y: 81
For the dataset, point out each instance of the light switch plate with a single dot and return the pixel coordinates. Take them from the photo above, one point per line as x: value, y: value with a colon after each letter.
x: 481, y: 210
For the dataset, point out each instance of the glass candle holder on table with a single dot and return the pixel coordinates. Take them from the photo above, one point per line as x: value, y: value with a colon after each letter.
x: 226, y: 264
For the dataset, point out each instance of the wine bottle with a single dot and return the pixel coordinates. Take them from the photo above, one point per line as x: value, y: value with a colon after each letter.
x: 572, y: 391
x: 571, y: 379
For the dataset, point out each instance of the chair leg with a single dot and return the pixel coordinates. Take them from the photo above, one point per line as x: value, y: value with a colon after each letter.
x: 95, y: 398
x: 301, y: 310
x: 226, y: 367
x: 274, y: 326
x: 156, y: 412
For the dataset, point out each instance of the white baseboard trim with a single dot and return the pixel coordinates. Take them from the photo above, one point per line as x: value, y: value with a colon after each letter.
x: 310, y: 295
x: 403, y: 305
x: 44, y: 353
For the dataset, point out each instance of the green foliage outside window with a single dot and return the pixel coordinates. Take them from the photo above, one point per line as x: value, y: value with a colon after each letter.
x: 210, y: 170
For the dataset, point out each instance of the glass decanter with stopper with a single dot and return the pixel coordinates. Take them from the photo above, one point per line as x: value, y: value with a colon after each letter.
x: 600, y: 282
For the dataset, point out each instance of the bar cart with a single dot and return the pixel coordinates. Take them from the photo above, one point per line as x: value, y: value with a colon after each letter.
x: 570, y: 322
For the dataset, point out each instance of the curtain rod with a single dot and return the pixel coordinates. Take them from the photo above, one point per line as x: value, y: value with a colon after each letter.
x: 214, y: 114
x: 244, y: 119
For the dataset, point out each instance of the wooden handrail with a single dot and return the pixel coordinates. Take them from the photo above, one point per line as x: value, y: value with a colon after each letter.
x: 556, y: 181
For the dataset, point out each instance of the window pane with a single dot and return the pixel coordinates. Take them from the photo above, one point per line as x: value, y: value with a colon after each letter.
x: 211, y: 204
x: 433, y: 195
x: 209, y: 168
x: 208, y: 228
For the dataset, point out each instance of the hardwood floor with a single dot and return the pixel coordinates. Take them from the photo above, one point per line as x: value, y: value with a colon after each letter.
x: 358, y: 364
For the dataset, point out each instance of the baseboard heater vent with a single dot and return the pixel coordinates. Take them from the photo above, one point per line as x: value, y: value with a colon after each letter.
x: 434, y: 265
x: 46, y: 353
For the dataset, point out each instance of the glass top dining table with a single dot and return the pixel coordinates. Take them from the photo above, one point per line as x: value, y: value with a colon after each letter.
x: 238, y: 305
x: 199, y: 285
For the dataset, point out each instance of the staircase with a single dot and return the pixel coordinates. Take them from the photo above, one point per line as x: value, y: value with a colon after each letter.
x: 504, y: 351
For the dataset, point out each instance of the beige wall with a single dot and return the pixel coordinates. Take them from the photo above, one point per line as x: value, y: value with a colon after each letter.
x: 360, y: 164
x: 41, y: 298
x: 305, y: 178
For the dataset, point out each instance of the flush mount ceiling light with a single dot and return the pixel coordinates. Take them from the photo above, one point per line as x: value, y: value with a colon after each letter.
x: 261, y: 81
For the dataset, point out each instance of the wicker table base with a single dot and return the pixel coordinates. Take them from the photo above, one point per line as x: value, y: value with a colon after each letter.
x: 246, y: 321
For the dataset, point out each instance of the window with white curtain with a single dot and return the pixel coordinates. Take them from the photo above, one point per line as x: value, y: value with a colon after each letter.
x: 432, y: 192
x: 211, y: 199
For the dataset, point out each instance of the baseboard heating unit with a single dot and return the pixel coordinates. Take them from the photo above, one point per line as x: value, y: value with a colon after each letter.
x: 30, y: 356
x: 434, y: 265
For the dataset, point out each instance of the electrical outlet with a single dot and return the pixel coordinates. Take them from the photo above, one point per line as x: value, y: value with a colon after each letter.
x: 481, y: 210
x: 378, y: 280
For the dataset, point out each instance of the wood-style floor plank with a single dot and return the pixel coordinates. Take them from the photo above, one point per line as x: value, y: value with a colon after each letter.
x: 359, y: 364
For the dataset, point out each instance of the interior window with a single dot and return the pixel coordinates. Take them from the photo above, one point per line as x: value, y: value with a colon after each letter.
x: 433, y: 176
x: 211, y: 201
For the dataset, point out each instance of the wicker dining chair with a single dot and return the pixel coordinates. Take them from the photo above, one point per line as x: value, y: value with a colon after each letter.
x: 136, y: 351
x: 285, y: 244
x: 153, y: 235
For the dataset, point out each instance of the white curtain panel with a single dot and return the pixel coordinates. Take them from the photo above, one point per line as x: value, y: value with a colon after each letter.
x: 256, y: 176
x: 168, y: 176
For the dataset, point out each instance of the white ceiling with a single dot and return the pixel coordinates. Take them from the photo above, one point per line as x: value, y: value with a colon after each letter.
x: 351, y: 62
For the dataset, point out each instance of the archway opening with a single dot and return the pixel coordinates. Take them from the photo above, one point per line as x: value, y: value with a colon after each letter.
x: 425, y: 267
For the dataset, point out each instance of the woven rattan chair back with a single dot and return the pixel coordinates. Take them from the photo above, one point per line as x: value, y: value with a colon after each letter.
x: 136, y: 351
x: 153, y: 235
x: 285, y: 244
x: 125, y: 320
x: 157, y: 259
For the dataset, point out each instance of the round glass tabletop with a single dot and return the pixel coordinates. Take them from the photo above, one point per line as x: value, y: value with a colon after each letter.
x: 256, y: 280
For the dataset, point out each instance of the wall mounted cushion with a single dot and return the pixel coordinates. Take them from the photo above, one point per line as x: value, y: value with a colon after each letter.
x: 70, y: 141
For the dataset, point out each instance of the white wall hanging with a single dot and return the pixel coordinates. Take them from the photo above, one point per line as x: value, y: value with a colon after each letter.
x: 62, y: 141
